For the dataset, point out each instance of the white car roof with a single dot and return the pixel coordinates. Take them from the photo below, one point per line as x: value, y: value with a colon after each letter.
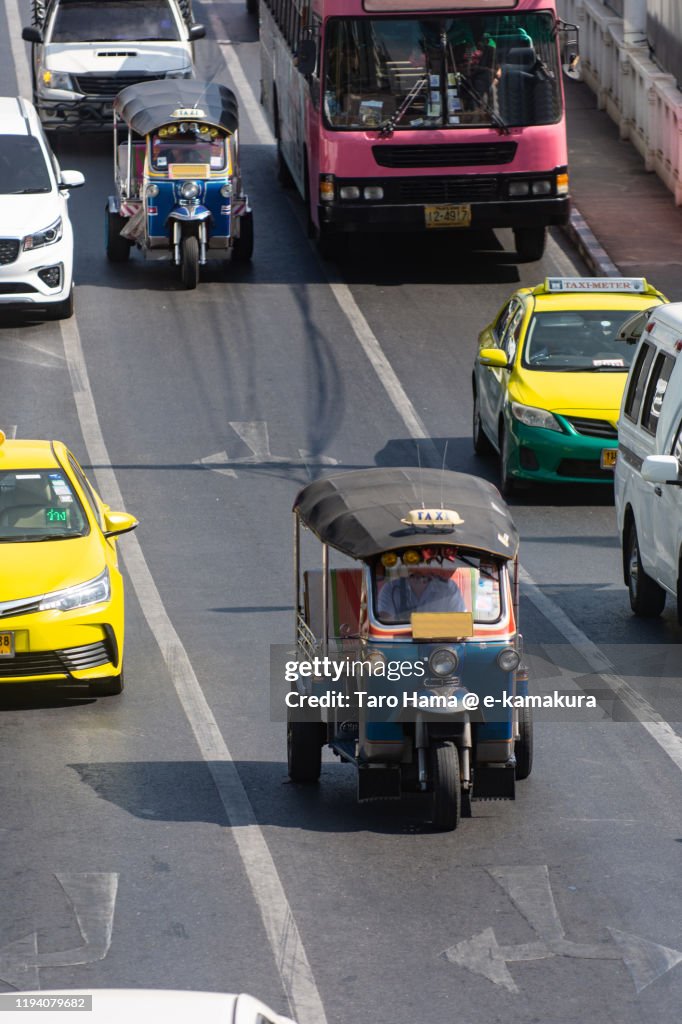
x: 17, y: 116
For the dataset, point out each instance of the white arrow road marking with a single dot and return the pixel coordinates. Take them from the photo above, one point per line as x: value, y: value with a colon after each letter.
x: 254, y: 434
x: 92, y: 896
x: 529, y: 889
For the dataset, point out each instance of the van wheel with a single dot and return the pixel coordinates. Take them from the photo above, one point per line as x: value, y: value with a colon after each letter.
x: 647, y: 598
x: 446, y: 786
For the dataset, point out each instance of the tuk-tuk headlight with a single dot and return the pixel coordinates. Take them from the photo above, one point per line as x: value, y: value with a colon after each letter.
x: 226, y: 189
x: 189, y: 190
x: 152, y: 190
x: 376, y: 660
x: 443, y: 662
x: 508, y: 659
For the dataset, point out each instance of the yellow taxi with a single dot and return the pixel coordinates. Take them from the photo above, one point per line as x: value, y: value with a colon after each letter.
x: 549, y: 377
x: 61, y: 590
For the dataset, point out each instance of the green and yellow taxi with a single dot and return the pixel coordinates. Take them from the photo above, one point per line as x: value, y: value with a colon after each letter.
x: 61, y: 590
x: 549, y: 377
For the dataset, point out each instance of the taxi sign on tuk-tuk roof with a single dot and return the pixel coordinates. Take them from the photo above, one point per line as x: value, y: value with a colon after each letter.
x: 362, y: 512
x: 636, y: 285
x: 435, y: 517
x: 150, y: 105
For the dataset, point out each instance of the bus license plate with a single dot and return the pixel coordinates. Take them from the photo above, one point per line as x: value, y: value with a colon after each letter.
x: 608, y: 457
x: 6, y: 645
x: 448, y: 216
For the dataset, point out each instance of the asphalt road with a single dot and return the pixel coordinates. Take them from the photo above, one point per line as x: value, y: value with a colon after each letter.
x: 154, y: 839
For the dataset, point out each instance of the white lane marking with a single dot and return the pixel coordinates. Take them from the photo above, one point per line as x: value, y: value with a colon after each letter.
x: 22, y: 68
x: 642, y: 711
x: 92, y: 895
x: 562, y: 262
x: 247, y: 97
x: 278, y: 920
x: 529, y: 889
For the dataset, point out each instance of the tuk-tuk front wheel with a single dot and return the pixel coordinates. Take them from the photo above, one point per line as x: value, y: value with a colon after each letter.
x: 446, y: 786
x: 523, y: 748
x: 190, y: 261
x: 118, y: 248
x: 242, y: 250
x: 304, y: 750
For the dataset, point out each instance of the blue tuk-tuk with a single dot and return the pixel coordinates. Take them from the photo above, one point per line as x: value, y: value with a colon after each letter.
x: 178, y: 187
x: 420, y: 639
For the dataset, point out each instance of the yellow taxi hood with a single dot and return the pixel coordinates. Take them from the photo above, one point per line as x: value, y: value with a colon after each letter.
x: 28, y: 570
x: 571, y: 393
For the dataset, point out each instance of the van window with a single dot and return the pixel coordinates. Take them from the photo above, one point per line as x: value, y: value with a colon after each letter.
x: 677, y: 445
x: 640, y: 372
x: 655, y: 392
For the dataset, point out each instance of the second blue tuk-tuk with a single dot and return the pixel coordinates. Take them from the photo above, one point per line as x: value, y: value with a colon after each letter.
x: 178, y: 187
x: 419, y: 635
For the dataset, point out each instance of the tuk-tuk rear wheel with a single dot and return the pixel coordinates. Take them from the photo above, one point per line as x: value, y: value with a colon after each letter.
x: 190, y: 261
x: 304, y: 751
x: 446, y: 786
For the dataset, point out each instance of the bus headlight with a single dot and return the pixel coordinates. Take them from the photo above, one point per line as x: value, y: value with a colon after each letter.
x: 373, y: 192
x: 349, y: 192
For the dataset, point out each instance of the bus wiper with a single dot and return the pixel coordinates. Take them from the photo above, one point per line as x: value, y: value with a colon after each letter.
x: 476, y: 97
x: 387, y: 126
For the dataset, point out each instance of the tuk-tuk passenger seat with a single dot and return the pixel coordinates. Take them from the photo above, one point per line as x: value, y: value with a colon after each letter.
x: 137, y: 178
x: 345, y: 587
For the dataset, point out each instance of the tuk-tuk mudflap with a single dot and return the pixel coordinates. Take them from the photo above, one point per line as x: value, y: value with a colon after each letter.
x: 379, y: 782
x: 495, y: 781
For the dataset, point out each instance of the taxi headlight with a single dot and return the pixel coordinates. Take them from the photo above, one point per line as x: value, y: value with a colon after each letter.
x: 443, y: 662
x: 533, y: 417
x: 508, y: 659
x: 48, y: 236
x: 189, y: 190
x: 92, y: 592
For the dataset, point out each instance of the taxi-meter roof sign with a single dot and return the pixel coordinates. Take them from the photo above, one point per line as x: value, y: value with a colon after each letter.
x: 596, y: 284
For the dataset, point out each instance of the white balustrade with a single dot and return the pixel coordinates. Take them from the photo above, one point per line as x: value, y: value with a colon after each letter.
x: 642, y: 99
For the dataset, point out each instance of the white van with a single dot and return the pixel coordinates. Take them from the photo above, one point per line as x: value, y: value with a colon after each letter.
x: 648, y: 473
x: 85, y: 51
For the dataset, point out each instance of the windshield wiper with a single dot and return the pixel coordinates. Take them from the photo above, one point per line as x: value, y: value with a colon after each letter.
x: 28, y: 191
x: 387, y: 126
x: 590, y: 369
x: 476, y: 97
x: 26, y: 538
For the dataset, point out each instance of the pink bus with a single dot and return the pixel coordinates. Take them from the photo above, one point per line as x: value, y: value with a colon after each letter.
x: 409, y: 115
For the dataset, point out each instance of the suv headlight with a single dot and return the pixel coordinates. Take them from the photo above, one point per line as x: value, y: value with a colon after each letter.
x: 56, y: 80
x: 48, y: 236
x: 533, y: 417
x: 92, y: 592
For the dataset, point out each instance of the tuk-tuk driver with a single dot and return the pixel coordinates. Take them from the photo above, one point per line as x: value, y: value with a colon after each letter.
x: 421, y: 590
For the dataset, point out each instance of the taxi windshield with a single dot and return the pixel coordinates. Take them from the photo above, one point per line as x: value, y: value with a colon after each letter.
x: 577, y: 340
x: 39, y: 504
x: 464, y: 583
x: 189, y: 148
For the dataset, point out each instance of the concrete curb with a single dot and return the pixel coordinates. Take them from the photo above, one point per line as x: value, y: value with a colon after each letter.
x: 596, y: 257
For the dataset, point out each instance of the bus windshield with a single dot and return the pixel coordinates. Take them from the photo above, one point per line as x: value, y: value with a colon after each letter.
x: 437, y: 72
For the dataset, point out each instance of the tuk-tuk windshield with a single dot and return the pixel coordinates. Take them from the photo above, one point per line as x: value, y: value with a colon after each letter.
x: 460, y: 583
x: 189, y: 148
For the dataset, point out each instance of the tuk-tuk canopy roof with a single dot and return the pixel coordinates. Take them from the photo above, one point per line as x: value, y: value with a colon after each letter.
x: 149, y: 105
x: 361, y: 512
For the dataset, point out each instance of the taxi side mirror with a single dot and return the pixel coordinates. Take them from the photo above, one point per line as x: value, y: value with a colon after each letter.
x: 117, y: 523
x: 493, y: 357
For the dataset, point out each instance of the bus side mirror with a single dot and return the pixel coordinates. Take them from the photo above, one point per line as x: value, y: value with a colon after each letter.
x: 306, y: 56
x: 570, y: 51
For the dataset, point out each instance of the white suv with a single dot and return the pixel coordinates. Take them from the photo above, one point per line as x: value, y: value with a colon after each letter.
x: 648, y: 473
x: 36, y: 243
x: 85, y: 51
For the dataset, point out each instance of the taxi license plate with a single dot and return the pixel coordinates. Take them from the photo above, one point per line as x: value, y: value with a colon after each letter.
x: 448, y: 216
x: 608, y: 457
x: 6, y: 645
